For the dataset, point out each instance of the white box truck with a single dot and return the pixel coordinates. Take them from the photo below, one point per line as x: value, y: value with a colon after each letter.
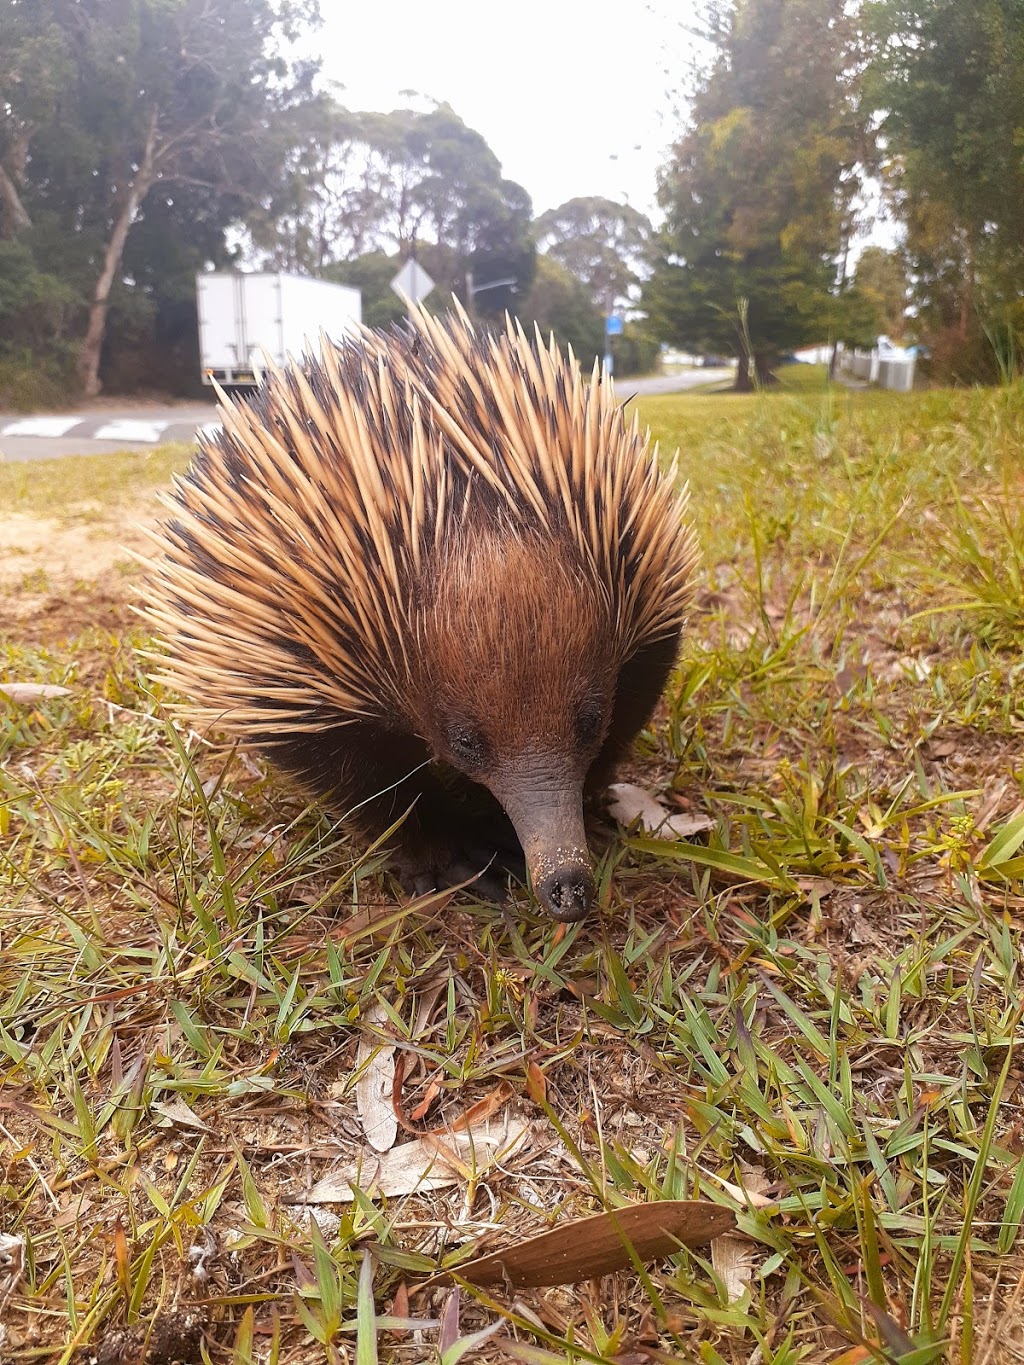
x: 243, y: 317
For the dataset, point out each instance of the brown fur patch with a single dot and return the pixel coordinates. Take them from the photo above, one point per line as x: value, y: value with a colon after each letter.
x: 516, y: 636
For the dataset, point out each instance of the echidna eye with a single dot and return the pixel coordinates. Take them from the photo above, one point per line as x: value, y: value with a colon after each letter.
x: 467, y: 745
x: 589, y: 720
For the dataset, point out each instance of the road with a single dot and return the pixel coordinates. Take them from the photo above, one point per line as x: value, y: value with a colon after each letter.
x: 103, y: 431
x: 671, y: 383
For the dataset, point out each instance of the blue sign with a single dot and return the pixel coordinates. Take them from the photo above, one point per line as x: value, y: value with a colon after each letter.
x: 613, y: 325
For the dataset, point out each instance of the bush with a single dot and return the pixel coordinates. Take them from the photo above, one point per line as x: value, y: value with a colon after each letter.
x: 635, y: 352
x: 992, y: 354
x: 29, y: 383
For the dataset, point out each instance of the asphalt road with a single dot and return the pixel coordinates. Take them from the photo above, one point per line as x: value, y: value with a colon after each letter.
x: 671, y: 383
x: 105, y: 430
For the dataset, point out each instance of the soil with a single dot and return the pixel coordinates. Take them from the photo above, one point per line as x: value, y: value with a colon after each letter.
x: 57, y: 578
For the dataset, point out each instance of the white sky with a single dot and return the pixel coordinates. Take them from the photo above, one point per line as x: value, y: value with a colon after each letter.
x: 574, y: 97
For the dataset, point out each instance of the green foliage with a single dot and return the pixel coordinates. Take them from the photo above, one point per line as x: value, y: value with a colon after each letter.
x: 605, y: 245
x: 368, y: 187
x: 560, y: 303
x: 34, y: 305
x: 36, y: 356
x: 636, y: 351
x: 372, y: 275
x: 29, y: 383
x: 947, y: 80
x: 109, y: 102
x: 881, y: 279
x: 759, y: 188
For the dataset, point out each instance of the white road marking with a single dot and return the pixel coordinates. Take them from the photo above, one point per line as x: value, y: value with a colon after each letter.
x: 131, y: 429
x: 41, y: 426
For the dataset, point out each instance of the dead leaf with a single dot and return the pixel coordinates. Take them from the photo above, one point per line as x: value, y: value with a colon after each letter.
x: 587, y: 1248
x: 449, y: 1333
x: 375, y: 1064
x: 178, y: 1112
x: 536, y: 1084
x: 427, y: 1163
x: 477, y: 1113
x: 748, y: 1194
x: 733, y: 1260
x: 820, y: 887
x: 431, y: 1094
x: 12, y: 1265
x: 630, y: 803
x: 29, y: 692
x: 428, y: 998
x: 939, y: 748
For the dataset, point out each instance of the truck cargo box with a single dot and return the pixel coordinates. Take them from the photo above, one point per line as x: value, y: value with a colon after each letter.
x: 244, y: 317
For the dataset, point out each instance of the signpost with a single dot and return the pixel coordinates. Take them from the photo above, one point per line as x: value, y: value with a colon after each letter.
x: 612, y: 328
x: 412, y: 282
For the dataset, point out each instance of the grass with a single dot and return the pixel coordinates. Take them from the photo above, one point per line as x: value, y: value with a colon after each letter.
x: 77, y: 487
x: 822, y: 1003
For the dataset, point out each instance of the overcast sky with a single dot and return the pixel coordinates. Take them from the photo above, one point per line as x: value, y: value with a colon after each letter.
x: 574, y: 97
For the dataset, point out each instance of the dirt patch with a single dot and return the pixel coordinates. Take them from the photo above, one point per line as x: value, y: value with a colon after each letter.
x: 57, y: 578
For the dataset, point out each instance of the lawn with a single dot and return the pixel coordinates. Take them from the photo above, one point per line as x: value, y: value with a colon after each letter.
x: 808, y: 1014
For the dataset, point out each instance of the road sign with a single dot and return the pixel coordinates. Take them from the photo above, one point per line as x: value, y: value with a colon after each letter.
x: 412, y: 281
x: 613, y: 325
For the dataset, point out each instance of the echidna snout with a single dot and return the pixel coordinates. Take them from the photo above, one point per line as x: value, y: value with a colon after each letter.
x: 546, y: 810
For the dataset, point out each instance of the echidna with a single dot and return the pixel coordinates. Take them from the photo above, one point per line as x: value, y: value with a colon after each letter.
x: 433, y: 572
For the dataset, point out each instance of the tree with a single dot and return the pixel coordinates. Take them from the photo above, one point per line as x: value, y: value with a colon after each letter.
x: 35, y: 66
x: 881, y: 278
x: 605, y: 245
x: 372, y: 274
x: 947, y: 81
x: 560, y: 303
x: 367, y: 184
x: 758, y: 191
x: 175, y: 93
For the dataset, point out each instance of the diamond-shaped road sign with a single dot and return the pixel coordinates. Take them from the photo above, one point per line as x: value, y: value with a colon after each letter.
x: 412, y: 281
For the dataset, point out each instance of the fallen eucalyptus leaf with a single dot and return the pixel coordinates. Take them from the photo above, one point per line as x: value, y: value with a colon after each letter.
x: 28, y: 692
x: 733, y: 1260
x: 630, y: 803
x: 178, y: 1112
x: 375, y: 1063
x: 430, y: 1162
x: 587, y: 1248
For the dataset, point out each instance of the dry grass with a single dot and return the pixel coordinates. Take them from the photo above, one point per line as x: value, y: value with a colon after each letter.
x: 823, y: 1003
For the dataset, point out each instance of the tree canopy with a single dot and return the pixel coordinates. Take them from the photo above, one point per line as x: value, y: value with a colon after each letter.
x: 757, y: 192
x: 360, y: 185
x: 116, y: 106
x: 143, y: 140
x: 603, y: 244
x: 947, y: 83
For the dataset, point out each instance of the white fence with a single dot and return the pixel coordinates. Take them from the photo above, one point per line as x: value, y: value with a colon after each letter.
x: 889, y: 371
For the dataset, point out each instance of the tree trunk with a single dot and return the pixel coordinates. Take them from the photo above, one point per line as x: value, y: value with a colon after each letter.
x: 742, y: 383
x: 13, y: 217
x: 92, y: 345
x: 763, y: 370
